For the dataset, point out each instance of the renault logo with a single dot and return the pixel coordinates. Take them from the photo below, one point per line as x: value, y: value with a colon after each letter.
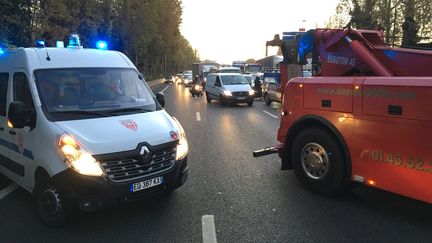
x: 145, y: 153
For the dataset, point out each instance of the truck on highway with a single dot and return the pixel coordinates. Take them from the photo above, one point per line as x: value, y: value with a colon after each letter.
x: 202, y: 69
x: 252, y: 68
x: 239, y: 64
x: 364, y: 117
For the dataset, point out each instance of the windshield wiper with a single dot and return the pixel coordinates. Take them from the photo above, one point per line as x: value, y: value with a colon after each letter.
x: 81, y: 112
x: 130, y: 109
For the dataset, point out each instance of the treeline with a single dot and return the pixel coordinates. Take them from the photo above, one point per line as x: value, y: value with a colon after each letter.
x: 147, y: 31
x: 404, y: 22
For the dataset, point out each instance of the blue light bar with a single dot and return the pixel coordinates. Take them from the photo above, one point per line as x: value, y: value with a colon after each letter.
x: 1, y: 51
x: 74, y: 41
x: 40, y: 43
x: 60, y: 44
x: 102, y: 45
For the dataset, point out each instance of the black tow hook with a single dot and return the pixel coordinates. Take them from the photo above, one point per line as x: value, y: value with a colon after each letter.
x: 265, y: 151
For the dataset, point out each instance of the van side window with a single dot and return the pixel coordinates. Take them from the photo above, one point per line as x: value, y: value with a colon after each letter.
x: 217, y: 82
x: 22, y: 90
x: 3, y: 92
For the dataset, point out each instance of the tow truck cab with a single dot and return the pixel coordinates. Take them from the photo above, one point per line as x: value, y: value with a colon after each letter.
x: 81, y: 129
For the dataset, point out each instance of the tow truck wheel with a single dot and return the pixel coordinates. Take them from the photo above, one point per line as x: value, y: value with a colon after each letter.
x: 49, y: 205
x: 267, y: 99
x: 318, y: 162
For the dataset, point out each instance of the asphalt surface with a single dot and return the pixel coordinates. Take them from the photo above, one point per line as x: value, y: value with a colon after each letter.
x: 251, y: 199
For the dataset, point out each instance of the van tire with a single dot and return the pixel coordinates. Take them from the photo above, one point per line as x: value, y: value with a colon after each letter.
x: 222, y: 101
x: 267, y: 99
x: 208, y: 98
x: 49, y: 205
x: 319, y: 163
x: 250, y: 103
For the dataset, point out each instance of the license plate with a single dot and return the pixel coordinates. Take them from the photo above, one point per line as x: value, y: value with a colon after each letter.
x: 241, y: 98
x: 146, y: 184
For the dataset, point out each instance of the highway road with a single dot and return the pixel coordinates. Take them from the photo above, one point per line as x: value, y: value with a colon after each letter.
x: 248, y: 199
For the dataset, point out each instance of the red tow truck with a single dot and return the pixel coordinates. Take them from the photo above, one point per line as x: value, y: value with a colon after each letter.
x: 365, y: 116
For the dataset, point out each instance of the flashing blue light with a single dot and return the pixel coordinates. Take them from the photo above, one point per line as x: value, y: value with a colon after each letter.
x: 1, y: 51
x: 60, y: 44
x: 40, y: 43
x: 74, y: 40
x: 390, y: 54
x: 102, y: 45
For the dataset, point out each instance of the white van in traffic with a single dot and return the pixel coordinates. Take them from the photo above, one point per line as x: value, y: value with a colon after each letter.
x: 80, y: 129
x: 229, y: 88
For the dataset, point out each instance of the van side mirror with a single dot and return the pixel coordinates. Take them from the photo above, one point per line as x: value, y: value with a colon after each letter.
x: 217, y: 84
x: 160, y: 97
x: 18, y: 115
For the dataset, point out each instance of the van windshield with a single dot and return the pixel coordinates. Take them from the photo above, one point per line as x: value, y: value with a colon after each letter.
x: 78, y: 93
x: 233, y: 79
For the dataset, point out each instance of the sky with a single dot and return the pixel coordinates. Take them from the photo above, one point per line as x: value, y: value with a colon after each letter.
x: 231, y: 30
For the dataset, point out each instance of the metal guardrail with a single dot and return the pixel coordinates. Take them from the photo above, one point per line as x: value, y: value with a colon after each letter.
x: 155, y: 82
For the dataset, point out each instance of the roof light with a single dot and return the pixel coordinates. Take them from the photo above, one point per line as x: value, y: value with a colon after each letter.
x: 102, y: 45
x: 40, y: 43
x: 74, y: 41
x: 60, y: 44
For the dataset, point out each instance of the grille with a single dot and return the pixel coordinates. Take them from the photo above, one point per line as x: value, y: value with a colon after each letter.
x: 126, y: 169
x: 240, y: 93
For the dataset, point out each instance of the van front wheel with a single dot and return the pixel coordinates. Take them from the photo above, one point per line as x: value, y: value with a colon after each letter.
x: 49, y: 205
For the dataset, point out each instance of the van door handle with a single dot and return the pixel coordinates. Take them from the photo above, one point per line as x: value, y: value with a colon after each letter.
x: 12, y: 132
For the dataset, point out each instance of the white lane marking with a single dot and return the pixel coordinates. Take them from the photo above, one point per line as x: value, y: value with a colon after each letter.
x: 165, y: 88
x: 198, y: 115
x: 12, y: 187
x: 270, y: 114
x: 208, y: 229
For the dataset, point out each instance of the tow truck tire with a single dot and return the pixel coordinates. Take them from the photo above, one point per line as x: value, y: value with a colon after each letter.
x: 49, y: 205
x: 208, y: 98
x: 267, y: 99
x: 318, y: 162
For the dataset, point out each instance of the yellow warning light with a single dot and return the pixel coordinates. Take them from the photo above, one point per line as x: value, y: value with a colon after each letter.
x: 357, y: 87
x: 371, y: 182
x: 9, y: 124
x: 343, y: 118
x: 301, y: 85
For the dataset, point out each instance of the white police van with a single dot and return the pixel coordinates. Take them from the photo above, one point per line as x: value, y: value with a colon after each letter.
x: 80, y: 129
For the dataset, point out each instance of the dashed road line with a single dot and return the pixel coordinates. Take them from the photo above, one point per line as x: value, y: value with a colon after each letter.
x: 12, y: 187
x: 208, y: 229
x: 198, y: 116
x: 270, y: 114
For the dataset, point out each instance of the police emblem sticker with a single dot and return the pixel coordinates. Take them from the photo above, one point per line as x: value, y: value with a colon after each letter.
x: 130, y: 124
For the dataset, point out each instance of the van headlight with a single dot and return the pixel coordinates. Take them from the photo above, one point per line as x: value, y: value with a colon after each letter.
x: 182, y: 146
x: 77, y: 157
x: 227, y: 93
x: 251, y: 92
